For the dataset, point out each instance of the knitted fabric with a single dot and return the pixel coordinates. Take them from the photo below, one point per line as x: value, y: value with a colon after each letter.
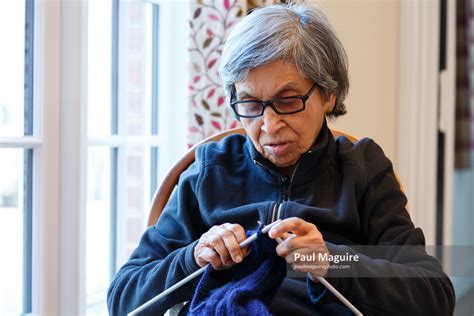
x: 253, y: 286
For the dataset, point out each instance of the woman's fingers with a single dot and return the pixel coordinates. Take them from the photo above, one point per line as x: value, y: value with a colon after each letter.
x: 232, y: 235
x: 220, y: 246
x: 227, y: 248
x: 208, y: 255
x: 303, y: 248
x: 217, y: 244
x: 295, y: 225
x: 303, y: 234
x: 294, y: 242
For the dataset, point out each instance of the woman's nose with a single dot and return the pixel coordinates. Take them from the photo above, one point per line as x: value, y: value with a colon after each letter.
x: 272, y: 122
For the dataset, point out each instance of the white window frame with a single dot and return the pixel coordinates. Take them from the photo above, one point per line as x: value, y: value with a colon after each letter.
x: 60, y: 147
x: 173, y: 60
x: 43, y: 142
x: 59, y: 164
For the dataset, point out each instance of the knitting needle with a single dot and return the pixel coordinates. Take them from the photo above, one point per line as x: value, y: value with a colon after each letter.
x: 176, y: 286
x: 333, y: 290
x: 341, y: 297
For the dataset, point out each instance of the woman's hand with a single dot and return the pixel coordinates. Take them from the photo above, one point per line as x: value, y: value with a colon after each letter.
x: 220, y: 246
x: 302, y: 243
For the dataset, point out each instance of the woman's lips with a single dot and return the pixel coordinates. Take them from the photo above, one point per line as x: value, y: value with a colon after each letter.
x: 278, y: 148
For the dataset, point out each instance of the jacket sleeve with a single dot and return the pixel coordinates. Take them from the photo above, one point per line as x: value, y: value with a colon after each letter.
x: 164, y: 256
x: 402, y: 279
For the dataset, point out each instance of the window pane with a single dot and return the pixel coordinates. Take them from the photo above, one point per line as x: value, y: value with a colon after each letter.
x: 135, y: 66
x: 154, y: 173
x: 135, y: 199
x: 98, y: 228
x: 12, y: 54
x: 11, y: 231
x: 99, y: 68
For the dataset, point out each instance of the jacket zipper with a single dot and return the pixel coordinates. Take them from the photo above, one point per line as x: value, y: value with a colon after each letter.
x: 287, y: 182
x: 276, y: 205
x: 255, y: 161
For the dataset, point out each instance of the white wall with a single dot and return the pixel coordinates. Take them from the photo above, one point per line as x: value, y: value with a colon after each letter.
x: 369, y: 31
x: 393, y: 69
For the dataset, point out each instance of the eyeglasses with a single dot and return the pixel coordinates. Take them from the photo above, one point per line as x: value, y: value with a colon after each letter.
x: 284, y: 105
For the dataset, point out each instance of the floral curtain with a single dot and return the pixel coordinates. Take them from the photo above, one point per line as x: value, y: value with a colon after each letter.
x: 464, y: 146
x: 210, y: 24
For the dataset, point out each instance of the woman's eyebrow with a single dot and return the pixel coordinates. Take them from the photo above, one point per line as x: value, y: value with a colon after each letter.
x: 245, y: 94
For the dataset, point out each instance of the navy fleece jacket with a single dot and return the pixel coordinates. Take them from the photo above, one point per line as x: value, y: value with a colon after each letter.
x: 348, y: 190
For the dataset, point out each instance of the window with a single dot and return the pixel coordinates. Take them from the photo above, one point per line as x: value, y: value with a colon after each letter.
x: 17, y: 153
x: 127, y: 125
x: 68, y: 223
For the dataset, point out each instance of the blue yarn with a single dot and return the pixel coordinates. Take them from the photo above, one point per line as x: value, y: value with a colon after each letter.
x: 253, y: 286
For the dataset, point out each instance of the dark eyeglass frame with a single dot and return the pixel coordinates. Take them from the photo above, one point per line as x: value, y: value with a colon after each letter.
x: 269, y: 103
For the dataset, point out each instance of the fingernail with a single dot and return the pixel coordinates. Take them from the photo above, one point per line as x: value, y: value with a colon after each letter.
x: 238, y: 258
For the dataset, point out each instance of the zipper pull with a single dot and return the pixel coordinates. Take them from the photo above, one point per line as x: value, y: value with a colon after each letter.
x: 276, y: 212
x: 273, y: 217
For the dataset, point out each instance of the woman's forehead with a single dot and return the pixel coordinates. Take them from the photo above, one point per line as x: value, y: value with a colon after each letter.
x: 272, y: 78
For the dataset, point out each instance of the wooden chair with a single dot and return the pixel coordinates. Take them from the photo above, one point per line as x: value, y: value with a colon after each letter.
x: 167, y: 186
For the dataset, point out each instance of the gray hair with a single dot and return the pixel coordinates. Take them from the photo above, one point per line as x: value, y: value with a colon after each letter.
x: 300, y: 34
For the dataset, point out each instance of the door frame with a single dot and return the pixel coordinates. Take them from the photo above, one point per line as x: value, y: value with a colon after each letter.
x: 426, y: 106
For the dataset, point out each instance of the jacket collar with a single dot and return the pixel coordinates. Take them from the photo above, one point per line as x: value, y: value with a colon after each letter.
x: 315, y: 160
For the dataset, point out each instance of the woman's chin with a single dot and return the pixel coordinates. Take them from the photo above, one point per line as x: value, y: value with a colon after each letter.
x: 282, y: 161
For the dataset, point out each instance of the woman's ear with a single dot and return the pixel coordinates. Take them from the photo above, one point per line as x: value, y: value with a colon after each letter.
x: 330, y: 103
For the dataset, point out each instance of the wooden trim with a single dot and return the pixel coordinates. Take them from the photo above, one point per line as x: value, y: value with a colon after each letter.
x: 336, y: 133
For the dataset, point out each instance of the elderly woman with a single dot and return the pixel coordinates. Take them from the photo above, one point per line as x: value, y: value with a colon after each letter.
x: 285, y: 72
